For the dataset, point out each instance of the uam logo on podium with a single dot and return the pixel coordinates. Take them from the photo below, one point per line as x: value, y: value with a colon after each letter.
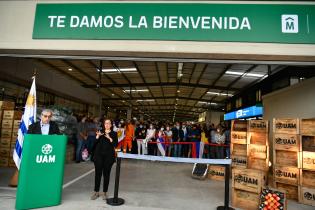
x: 290, y: 23
x: 46, y: 156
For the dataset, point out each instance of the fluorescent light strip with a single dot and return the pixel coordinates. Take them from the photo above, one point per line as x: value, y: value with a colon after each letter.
x: 234, y: 73
x: 145, y: 100
x: 203, y: 102
x: 139, y: 90
x: 244, y: 74
x: 219, y: 94
x: 118, y: 70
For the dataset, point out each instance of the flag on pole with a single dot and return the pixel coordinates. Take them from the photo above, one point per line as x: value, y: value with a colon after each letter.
x: 28, y: 118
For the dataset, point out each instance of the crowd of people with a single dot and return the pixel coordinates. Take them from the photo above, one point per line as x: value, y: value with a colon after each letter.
x: 158, y: 138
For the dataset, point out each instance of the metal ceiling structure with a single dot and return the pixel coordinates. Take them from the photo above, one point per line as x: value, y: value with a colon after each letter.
x: 162, y: 89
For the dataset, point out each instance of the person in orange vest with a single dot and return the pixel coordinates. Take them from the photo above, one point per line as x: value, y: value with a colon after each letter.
x: 129, y: 136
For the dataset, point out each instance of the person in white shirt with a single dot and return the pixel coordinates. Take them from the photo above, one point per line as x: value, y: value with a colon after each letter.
x: 150, y: 137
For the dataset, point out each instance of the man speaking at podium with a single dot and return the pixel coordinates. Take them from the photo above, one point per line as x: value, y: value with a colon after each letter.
x: 45, y: 126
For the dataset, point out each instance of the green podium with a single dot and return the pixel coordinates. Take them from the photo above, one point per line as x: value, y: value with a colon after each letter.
x: 41, y: 171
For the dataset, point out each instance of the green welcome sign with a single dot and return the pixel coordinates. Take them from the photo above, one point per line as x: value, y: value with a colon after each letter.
x: 276, y: 23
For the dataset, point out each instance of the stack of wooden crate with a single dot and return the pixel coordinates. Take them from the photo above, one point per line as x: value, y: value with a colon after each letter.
x: 6, y: 125
x: 258, y: 145
x: 250, y: 157
x: 246, y: 187
x: 239, y: 144
x: 307, y: 172
x: 286, y: 156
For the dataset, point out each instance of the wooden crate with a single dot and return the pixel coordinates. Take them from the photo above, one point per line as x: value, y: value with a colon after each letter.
x: 288, y: 142
x: 287, y: 158
x: 248, y: 179
x: 258, y: 126
x: 6, y: 133
x: 216, y: 172
x: 292, y: 191
x: 308, y: 143
x: 308, y: 160
x: 239, y: 125
x: 239, y: 149
x: 15, y: 132
x: 258, y: 151
x: 286, y: 125
x: 5, y: 142
x: 4, y: 161
x: 307, y: 178
x: 308, y: 127
x: 7, y: 105
x: 257, y: 138
x: 239, y: 161
x: 16, y: 124
x: 238, y: 137
x: 8, y: 114
x: 7, y: 124
x: 244, y: 199
x: 258, y: 164
x: 4, y: 152
x: 307, y: 196
x: 287, y: 175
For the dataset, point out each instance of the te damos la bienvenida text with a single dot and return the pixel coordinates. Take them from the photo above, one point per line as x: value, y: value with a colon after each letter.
x: 155, y: 22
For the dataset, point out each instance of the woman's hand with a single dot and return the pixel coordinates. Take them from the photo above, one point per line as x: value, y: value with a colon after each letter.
x: 98, y: 134
x: 107, y: 136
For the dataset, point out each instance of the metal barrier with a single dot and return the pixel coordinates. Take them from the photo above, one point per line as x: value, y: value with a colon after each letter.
x: 116, y: 201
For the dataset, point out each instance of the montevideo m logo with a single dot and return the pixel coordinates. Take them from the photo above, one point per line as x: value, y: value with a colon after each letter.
x: 46, y: 156
x: 290, y: 23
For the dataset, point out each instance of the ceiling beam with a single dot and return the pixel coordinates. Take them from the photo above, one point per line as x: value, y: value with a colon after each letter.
x: 159, y: 84
x: 216, y: 80
x: 166, y: 97
x: 159, y: 77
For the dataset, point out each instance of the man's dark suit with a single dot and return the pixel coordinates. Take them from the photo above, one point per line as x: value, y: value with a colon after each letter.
x: 36, y: 129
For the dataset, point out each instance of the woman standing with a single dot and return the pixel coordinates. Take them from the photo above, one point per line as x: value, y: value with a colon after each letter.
x: 152, y: 148
x: 104, y: 157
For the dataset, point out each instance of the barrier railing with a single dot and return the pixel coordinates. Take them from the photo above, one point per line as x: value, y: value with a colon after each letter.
x: 116, y: 201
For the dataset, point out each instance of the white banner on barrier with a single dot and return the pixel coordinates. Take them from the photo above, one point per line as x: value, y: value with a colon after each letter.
x: 174, y: 159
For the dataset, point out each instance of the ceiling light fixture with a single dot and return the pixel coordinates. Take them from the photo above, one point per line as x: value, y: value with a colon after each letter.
x: 118, y: 70
x: 145, y: 100
x: 69, y: 69
x: 244, y: 74
x: 203, y: 102
x: 219, y: 94
x: 136, y: 90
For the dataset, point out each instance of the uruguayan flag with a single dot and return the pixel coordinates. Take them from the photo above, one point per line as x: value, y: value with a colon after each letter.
x: 28, y: 118
x: 160, y: 145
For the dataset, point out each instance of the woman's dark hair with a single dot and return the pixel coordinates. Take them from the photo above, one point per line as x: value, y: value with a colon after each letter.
x: 103, y: 123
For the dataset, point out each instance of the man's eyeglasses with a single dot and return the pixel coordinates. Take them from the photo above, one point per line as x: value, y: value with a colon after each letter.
x: 46, y: 116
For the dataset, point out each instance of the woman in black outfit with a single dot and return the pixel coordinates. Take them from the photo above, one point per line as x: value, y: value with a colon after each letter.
x: 104, y: 157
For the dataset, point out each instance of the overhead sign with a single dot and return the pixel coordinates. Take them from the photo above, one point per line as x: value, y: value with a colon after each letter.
x: 277, y: 23
x: 252, y: 111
